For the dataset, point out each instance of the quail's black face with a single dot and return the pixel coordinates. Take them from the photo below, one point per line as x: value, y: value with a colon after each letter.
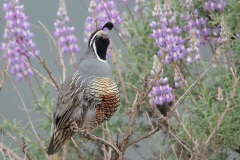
x: 101, y: 46
x: 99, y: 41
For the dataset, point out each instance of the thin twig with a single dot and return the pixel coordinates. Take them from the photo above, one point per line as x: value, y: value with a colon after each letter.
x: 107, y: 132
x: 134, y: 87
x: 180, y: 100
x: 24, y: 131
x: 121, y: 39
x: 135, y: 109
x: 165, y: 126
x: 22, y: 145
x: 7, y: 152
x: 155, y: 78
x: 143, y: 137
x: 180, y: 141
x: 41, y: 60
x: 4, y: 75
x: 184, y: 128
x: 75, y: 144
x: 46, y: 80
x: 59, y: 51
x: 73, y: 61
x: 65, y: 151
x: 102, y: 141
x: 174, y: 152
x: 120, y: 75
x: 83, y: 4
x: 129, y: 128
x: 140, y: 40
x: 28, y: 116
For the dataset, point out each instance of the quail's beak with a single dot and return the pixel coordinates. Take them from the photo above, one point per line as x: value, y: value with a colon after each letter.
x: 105, y: 36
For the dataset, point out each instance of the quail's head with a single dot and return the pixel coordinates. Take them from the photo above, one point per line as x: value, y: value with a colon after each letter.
x: 99, y: 41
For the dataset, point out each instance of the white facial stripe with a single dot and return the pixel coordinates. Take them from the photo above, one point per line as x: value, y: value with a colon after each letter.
x: 95, y: 51
x: 92, y: 39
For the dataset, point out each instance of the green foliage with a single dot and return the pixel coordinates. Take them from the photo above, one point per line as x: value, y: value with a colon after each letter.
x: 135, y: 58
x: 206, y: 111
x: 199, y: 112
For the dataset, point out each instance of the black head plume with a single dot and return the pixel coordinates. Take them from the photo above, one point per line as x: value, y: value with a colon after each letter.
x: 108, y: 25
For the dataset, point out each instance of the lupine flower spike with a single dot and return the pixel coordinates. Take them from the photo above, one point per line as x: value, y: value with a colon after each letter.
x: 223, y: 34
x: 215, y: 5
x: 18, y: 47
x: 178, y: 79
x: 222, y: 38
x: 139, y: 7
x: 167, y: 35
x: 161, y: 93
x: 67, y: 41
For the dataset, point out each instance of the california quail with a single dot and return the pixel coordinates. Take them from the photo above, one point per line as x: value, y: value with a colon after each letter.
x: 89, y: 96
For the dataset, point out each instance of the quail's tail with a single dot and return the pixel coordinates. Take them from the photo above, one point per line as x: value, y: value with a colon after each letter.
x: 59, y: 137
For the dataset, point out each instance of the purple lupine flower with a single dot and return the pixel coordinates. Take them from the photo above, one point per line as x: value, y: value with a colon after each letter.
x: 67, y: 41
x: 199, y: 33
x: 18, y: 46
x: 102, y: 11
x: 215, y: 5
x: 193, y: 49
x: 216, y: 31
x: 139, y: 6
x: 178, y: 81
x: 167, y: 35
x: 161, y: 92
x: 238, y: 35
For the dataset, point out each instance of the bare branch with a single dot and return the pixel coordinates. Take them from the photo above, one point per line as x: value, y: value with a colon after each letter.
x: 155, y: 78
x: 162, y: 121
x: 7, y: 152
x: 65, y: 150
x: 22, y: 145
x: 102, y: 141
x: 120, y: 75
x: 143, y: 137
x: 4, y: 75
x: 29, y: 117
x: 45, y: 79
x: 42, y: 62
x: 59, y: 51
x: 180, y: 100
x: 129, y: 128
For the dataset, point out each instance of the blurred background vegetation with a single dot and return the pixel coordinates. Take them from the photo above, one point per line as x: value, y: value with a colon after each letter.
x: 196, y: 115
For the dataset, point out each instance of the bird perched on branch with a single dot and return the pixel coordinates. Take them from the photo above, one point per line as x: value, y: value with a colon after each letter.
x: 89, y: 96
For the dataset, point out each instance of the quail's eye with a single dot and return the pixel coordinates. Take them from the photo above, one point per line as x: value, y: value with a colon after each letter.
x: 96, y: 37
